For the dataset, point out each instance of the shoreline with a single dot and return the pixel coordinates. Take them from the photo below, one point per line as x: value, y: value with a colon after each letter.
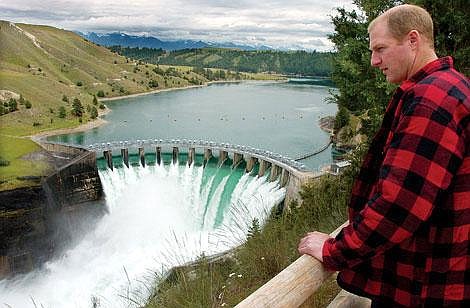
x: 81, y: 128
x: 108, y: 99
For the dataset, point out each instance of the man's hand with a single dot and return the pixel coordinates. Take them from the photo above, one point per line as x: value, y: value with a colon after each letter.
x: 312, y: 244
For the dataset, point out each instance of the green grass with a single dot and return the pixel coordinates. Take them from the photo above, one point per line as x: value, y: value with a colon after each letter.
x: 12, y: 150
x: 263, y: 255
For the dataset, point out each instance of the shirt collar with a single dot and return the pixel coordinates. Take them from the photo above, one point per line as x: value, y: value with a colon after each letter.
x: 431, y: 67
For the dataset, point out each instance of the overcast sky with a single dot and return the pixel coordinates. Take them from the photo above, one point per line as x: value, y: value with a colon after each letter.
x: 294, y: 24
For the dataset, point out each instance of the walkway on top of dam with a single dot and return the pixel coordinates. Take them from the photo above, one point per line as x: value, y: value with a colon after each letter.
x: 291, y: 165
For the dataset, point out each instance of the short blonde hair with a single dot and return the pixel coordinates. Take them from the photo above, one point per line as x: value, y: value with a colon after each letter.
x: 404, y: 18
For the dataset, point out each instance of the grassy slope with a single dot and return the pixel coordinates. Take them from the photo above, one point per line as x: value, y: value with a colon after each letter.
x: 45, y: 71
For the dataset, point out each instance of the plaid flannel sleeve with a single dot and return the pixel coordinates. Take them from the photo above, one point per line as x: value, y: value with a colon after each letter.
x: 425, y: 152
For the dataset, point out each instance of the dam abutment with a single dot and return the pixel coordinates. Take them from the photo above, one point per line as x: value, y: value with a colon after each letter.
x: 33, y: 218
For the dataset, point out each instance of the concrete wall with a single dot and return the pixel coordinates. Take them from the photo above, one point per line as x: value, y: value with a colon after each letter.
x: 34, y: 219
x: 296, y: 181
x: 76, y: 182
x: 61, y: 148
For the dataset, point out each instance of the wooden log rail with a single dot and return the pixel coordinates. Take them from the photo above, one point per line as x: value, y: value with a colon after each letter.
x: 293, y: 286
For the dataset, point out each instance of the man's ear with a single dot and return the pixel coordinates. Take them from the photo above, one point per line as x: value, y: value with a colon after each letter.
x: 414, y: 38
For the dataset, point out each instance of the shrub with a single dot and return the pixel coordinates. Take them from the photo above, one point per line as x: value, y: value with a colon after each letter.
x: 36, y: 123
x: 65, y: 98
x: 102, y: 106
x: 28, y: 105
x: 153, y: 84
x: 12, y: 104
x: 342, y: 118
x: 93, y: 112
x: 79, y: 83
x: 62, y: 112
x: 100, y: 93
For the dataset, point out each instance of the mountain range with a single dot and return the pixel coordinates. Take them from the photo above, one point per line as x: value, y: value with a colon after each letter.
x: 125, y: 40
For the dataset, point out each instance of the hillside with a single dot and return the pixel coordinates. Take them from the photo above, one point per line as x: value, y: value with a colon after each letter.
x: 281, y: 62
x: 49, y: 79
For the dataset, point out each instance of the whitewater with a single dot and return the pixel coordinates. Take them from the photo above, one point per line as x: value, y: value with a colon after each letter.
x: 157, y: 217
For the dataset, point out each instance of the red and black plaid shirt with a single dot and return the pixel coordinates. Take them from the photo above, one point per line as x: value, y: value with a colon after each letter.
x: 408, y: 238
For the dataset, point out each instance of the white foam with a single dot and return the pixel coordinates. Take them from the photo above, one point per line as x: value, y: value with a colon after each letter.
x: 154, y: 222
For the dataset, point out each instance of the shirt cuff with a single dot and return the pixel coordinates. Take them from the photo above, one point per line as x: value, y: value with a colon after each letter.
x: 328, y: 261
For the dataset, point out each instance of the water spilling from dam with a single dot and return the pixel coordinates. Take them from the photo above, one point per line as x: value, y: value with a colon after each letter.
x: 158, y: 217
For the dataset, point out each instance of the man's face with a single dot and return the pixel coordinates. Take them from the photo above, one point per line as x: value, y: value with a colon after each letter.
x: 393, y: 57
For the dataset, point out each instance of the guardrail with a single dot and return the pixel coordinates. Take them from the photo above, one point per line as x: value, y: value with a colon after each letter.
x: 276, y: 158
x: 293, y: 286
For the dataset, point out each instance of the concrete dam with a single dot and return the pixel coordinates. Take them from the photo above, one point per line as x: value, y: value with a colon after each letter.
x: 289, y: 172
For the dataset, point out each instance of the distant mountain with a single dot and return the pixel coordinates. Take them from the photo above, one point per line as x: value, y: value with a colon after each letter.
x: 125, y: 40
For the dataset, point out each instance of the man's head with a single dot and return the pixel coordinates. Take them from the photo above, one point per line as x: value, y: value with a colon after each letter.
x: 401, y: 41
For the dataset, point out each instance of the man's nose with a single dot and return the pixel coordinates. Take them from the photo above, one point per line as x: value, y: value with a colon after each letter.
x: 375, y: 60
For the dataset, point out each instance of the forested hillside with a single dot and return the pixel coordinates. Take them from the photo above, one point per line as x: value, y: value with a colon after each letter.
x: 292, y: 62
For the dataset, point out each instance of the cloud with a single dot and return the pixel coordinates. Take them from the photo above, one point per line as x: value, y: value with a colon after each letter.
x: 279, y: 23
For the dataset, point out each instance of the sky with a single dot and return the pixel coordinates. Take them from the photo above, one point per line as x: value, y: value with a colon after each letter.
x: 281, y: 24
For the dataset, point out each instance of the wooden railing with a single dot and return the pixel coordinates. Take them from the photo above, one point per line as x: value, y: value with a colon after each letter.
x: 293, y: 286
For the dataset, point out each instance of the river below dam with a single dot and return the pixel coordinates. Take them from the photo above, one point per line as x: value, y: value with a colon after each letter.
x: 165, y: 215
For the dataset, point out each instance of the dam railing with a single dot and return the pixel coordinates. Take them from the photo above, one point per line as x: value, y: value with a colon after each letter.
x: 271, y: 157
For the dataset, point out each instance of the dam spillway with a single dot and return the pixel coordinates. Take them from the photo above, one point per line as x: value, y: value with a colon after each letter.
x: 280, y: 167
x: 159, y: 215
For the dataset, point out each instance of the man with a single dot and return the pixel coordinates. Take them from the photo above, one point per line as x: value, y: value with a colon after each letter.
x: 407, y: 243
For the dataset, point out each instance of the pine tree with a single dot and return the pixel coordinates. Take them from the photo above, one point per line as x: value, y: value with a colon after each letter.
x: 93, y: 112
x: 62, y: 112
x: 77, y: 107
